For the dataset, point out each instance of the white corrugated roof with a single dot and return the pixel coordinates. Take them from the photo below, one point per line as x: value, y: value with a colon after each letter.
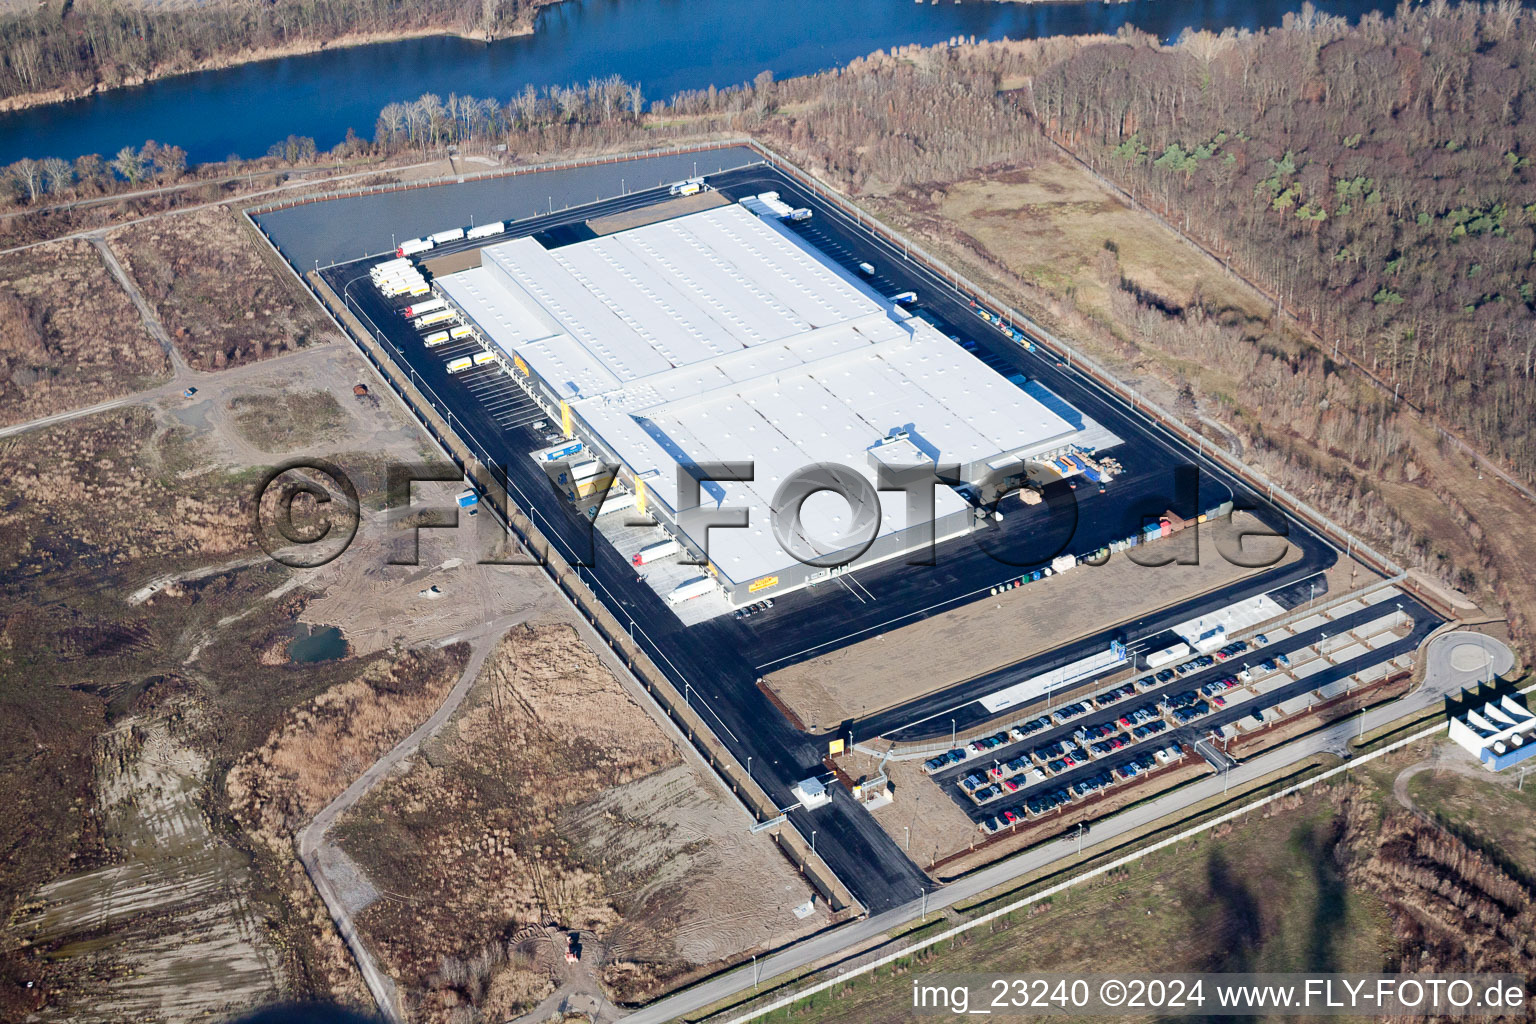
x: 721, y: 337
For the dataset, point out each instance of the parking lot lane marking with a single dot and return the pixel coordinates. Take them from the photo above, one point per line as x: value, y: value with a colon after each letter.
x: 850, y: 590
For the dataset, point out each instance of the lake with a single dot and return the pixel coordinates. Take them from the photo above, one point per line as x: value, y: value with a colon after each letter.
x: 665, y: 45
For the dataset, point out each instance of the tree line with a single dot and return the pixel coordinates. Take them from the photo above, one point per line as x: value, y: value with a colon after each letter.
x: 77, y: 45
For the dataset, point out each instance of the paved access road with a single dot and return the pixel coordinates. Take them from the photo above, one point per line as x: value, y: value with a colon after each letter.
x: 717, y: 663
x: 1060, y: 853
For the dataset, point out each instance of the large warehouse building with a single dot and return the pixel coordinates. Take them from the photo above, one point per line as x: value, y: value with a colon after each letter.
x: 722, y: 337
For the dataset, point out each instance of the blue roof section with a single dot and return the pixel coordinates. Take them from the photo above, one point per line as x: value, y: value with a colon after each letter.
x: 1498, y: 762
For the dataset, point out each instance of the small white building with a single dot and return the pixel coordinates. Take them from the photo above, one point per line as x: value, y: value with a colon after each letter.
x: 812, y: 793
x: 1500, y: 733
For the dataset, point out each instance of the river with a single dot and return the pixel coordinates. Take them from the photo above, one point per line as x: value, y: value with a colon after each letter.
x: 665, y: 45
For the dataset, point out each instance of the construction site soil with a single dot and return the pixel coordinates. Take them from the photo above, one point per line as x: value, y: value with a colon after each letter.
x: 552, y: 800
x: 893, y: 668
x: 69, y: 336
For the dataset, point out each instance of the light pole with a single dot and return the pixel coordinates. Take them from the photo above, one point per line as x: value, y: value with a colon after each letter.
x: 908, y: 828
x: 749, y: 766
x: 813, y: 842
x: 1081, y: 831
x: 755, y: 974
x: 951, y: 733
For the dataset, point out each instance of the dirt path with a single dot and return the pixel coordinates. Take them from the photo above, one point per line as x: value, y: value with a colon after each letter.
x: 1447, y: 758
x: 146, y: 313
x: 297, y: 184
x: 578, y: 991
x: 317, y: 857
x: 206, y: 381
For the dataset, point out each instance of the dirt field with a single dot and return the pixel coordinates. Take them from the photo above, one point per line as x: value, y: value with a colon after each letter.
x: 69, y: 335
x: 553, y: 801
x: 993, y: 632
x: 168, y: 931
x: 278, y: 423
x: 215, y: 290
x: 129, y: 572
x: 1070, y: 217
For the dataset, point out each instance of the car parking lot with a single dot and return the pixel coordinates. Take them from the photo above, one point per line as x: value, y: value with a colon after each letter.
x: 1086, y: 752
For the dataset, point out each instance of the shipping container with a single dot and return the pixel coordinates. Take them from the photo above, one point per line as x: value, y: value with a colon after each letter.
x: 467, y: 498
x: 1167, y: 655
x: 590, y: 486
x: 390, y: 265
x: 460, y: 364
x: 451, y: 235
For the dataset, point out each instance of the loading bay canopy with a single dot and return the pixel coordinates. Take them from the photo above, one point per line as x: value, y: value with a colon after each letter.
x: 1047, y: 682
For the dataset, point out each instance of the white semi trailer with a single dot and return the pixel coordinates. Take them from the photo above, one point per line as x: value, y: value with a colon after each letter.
x: 696, y: 587
x: 486, y: 230
x: 654, y: 551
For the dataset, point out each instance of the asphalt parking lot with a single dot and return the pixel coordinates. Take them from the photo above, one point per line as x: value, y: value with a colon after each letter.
x: 720, y: 660
x: 1424, y: 622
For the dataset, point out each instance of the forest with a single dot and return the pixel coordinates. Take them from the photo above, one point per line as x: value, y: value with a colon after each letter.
x: 73, y: 46
x: 1375, y: 179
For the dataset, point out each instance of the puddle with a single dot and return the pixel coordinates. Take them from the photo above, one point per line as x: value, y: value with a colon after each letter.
x: 316, y: 643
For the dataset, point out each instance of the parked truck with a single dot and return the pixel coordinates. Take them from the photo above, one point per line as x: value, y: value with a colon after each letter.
x: 442, y: 316
x: 486, y: 230
x: 617, y: 503
x: 411, y: 246
x: 460, y: 364
x: 451, y: 235
x: 652, y: 552
x: 482, y: 358
x: 696, y: 587
x: 435, y: 339
x: 423, y: 308
x: 460, y: 332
